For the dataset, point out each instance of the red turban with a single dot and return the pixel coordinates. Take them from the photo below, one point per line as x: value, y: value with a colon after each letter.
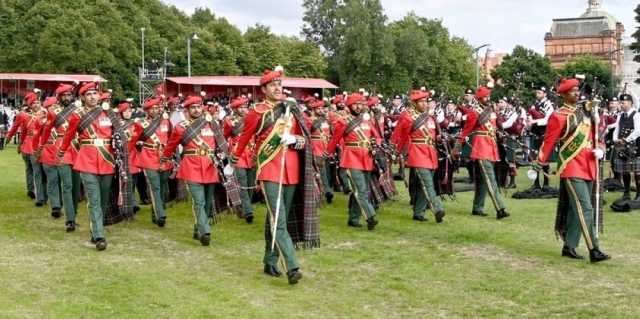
x: 337, y: 99
x: 151, y: 103
x: 567, y: 84
x: 105, y: 96
x: 191, y: 100
x: 88, y: 86
x: 373, y: 101
x: 49, y: 101
x: 354, y: 98
x: 237, y: 102
x: 64, y: 88
x: 123, y: 106
x: 30, y: 98
x: 483, y: 91
x: 269, y: 76
x: 417, y: 95
x: 317, y: 104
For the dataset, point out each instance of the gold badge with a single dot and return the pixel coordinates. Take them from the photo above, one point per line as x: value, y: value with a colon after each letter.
x: 105, y: 106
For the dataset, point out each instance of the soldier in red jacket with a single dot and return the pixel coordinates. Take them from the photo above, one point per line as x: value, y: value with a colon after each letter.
x: 573, y: 127
x: 50, y: 142
x: 416, y: 129
x: 320, y: 135
x: 480, y: 127
x: 244, y: 169
x: 48, y: 160
x: 95, y: 159
x: 197, y: 135
x: 357, y: 132
x: 281, y: 136
x: 26, y: 122
x: 151, y: 135
x: 128, y: 124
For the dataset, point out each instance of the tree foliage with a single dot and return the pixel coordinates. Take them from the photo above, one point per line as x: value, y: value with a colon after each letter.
x: 104, y: 37
x: 592, y: 68
x: 635, y: 46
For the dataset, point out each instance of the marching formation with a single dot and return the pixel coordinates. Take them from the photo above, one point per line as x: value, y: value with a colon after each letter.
x: 293, y: 156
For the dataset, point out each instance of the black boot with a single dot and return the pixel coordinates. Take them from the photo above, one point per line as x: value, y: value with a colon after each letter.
x: 70, y: 226
x: 329, y: 197
x: 272, y: 271
x: 595, y: 255
x: 55, y: 212
x: 101, y: 244
x: 205, y: 239
x: 571, y: 253
x: 502, y: 214
x: 161, y: 222
x: 419, y: 218
x: 294, y: 276
x: 249, y: 219
x: 512, y: 182
x: 476, y: 213
x: 354, y: 224
x: 626, y: 196
x: 439, y: 216
x: 371, y: 223
x: 31, y: 195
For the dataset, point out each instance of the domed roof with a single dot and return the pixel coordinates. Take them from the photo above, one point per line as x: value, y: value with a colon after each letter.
x: 611, y: 21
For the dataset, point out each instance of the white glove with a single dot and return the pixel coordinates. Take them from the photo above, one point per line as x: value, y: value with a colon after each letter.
x: 288, y: 139
x: 532, y: 174
x: 228, y: 170
x: 598, y: 153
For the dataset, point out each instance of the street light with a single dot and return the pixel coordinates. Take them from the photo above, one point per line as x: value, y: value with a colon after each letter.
x: 142, y: 62
x: 194, y: 36
x: 611, y: 69
x: 476, y: 51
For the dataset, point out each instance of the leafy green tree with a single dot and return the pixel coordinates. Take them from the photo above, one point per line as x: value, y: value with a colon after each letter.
x: 594, y: 70
x: 635, y: 46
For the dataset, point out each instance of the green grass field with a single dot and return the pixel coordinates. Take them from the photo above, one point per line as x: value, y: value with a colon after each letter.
x: 466, y: 267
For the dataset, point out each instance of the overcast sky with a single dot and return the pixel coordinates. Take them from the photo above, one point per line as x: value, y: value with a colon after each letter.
x: 502, y: 23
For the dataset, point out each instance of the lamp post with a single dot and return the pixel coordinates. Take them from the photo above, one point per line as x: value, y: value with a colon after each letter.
x: 140, y: 97
x: 476, y: 51
x: 194, y: 37
x: 611, y: 69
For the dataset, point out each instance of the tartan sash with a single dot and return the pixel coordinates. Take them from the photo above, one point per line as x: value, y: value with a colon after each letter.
x: 193, y: 130
x: 150, y: 130
x: 63, y: 115
x: 88, y: 118
x: 419, y: 121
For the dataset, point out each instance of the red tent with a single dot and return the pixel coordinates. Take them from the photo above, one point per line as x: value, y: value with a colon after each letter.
x: 14, y: 85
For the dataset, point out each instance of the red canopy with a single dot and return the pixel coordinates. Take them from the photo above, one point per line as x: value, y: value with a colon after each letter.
x: 222, y: 80
x: 51, y: 77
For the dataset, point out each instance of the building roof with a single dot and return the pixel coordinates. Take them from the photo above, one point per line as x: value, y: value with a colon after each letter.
x: 224, y: 80
x: 581, y: 27
x: 52, y: 77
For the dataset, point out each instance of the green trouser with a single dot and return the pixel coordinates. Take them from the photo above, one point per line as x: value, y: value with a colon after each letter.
x: 324, y: 175
x: 157, y: 181
x: 28, y: 172
x: 53, y: 185
x: 41, y: 194
x: 486, y: 182
x: 361, y: 203
x: 202, y: 201
x: 427, y: 196
x: 247, y: 179
x: 344, y: 178
x: 97, y: 188
x: 70, y: 181
x: 283, y: 243
x: 580, y: 219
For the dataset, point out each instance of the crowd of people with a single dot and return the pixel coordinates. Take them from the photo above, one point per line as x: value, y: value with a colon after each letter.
x: 294, y: 154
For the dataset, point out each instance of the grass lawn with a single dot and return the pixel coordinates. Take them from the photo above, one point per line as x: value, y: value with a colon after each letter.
x: 465, y: 267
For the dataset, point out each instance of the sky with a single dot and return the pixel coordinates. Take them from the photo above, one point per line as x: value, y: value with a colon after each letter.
x: 501, y: 23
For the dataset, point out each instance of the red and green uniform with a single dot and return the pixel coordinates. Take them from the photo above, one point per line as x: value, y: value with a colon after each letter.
x: 24, y: 123
x: 422, y: 157
x: 244, y: 169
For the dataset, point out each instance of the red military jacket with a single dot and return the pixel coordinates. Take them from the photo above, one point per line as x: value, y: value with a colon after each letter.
x: 421, y: 151
x: 96, y: 154
x: 152, y: 148
x: 228, y: 125
x: 320, y: 135
x: 254, y: 123
x: 51, y: 138
x: 356, y: 151
x: 25, y: 122
x: 483, y: 137
x: 583, y: 165
x: 196, y: 165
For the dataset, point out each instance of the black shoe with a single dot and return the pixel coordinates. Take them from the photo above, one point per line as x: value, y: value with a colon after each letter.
x: 476, y: 213
x: 249, y: 219
x: 354, y: 224
x: 161, y: 222
x: 571, y: 253
x: 145, y: 202
x: 195, y: 235
x: 31, y: 195
x: 595, y: 255
x: 419, y: 218
x: 136, y: 209
x: 39, y: 204
x: 626, y: 196
x: 55, y: 212
x: 439, y: 216
x: 371, y: 223
x: 294, y: 276
x: 70, y: 226
x: 272, y: 271
x: 101, y: 244
x: 512, y: 185
x: 92, y: 240
x: 329, y: 197
x: 502, y: 214
x: 205, y: 239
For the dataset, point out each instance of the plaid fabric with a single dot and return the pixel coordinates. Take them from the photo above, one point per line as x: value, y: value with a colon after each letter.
x: 121, y: 193
x: 386, y: 183
x: 303, y: 221
x: 631, y: 165
x: 375, y: 192
x: 230, y: 183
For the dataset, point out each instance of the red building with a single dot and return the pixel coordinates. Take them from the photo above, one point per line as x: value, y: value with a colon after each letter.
x: 13, y: 86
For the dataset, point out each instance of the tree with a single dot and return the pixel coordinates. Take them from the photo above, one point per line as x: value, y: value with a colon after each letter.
x: 522, y: 71
x: 635, y: 46
x: 592, y: 68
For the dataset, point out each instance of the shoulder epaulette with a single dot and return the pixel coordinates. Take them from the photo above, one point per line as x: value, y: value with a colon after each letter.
x: 261, y: 108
